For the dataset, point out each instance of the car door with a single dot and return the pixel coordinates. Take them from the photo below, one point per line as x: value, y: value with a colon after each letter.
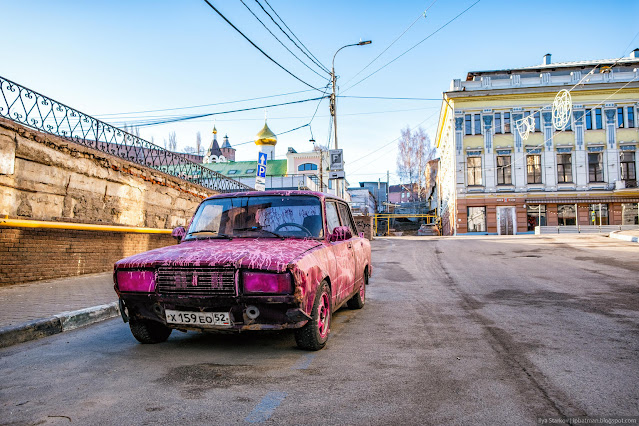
x: 344, y: 274
x: 355, y: 244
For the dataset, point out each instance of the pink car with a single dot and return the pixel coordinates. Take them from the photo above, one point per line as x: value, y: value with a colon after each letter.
x: 250, y: 261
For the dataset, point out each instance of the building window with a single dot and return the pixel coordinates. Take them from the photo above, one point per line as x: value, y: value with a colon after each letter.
x: 504, y: 175
x: 233, y: 172
x: 498, y: 122
x: 564, y: 168
x: 631, y: 116
x: 474, y: 171
x: 588, y: 119
x: 595, y: 167
x: 567, y: 214
x: 306, y: 166
x: 598, y: 214
x: 506, y: 122
x: 533, y: 168
x: 537, y: 122
x: 629, y: 214
x: 468, y: 125
x: 620, y: 117
x: 476, y: 219
x: 628, y: 171
x: 250, y: 170
x: 536, y: 216
x: 477, y: 124
x: 598, y: 122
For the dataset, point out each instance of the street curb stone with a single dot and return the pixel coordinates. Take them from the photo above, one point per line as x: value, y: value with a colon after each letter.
x: 59, y: 323
x: 630, y: 238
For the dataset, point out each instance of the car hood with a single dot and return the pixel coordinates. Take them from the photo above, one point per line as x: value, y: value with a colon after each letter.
x: 271, y: 254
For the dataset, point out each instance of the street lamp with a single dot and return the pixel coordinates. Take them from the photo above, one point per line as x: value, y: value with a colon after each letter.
x: 333, y: 104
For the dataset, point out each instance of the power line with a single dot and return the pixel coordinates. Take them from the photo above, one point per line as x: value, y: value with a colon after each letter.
x: 279, y: 41
x: 255, y: 45
x: 202, y: 105
x: 393, y: 42
x: 316, y: 61
x: 414, y: 46
x: 390, y: 97
x: 173, y: 120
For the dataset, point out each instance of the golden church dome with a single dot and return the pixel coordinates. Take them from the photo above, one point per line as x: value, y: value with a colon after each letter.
x: 266, y: 137
x: 214, y: 130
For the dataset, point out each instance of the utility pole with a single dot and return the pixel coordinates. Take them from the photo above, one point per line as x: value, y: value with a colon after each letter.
x: 387, y: 189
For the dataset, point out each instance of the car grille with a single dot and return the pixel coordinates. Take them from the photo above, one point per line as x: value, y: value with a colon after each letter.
x: 200, y: 281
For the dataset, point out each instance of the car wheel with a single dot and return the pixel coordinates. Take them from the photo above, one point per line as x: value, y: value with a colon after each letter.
x: 357, y: 301
x: 146, y: 331
x: 314, y: 334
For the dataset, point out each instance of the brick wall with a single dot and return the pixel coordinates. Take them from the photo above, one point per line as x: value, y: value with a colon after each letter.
x: 37, y: 254
x: 48, y: 178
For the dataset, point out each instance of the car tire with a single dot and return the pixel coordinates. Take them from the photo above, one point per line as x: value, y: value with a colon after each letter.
x: 146, y: 331
x: 357, y: 301
x: 314, y: 334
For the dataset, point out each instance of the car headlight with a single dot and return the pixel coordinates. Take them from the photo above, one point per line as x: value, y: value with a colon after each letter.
x: 142, y: 281
x: 264, y: 282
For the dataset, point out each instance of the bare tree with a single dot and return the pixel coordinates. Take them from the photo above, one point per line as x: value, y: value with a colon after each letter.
x: 189, y: 150
x: 198, y: 142
x: 415, y: 151
x: 172, y: 141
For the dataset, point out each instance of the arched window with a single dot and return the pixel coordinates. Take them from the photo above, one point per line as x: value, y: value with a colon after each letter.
x: 306, y: 166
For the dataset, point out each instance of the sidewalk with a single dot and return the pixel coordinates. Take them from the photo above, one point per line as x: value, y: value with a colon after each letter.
x: 42, y: 308
x: 630, y: 236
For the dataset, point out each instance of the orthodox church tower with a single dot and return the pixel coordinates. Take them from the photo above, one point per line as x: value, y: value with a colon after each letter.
x: 214, y: 153
x: 266, y: 140
x: 227, y: 150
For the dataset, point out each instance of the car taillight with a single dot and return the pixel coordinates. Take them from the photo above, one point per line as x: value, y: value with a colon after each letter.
x: 262, y: 282
x: 143, y: 281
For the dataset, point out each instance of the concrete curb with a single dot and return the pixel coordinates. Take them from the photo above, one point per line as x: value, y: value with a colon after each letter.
x: 629, y: 238
x: 59, y: 323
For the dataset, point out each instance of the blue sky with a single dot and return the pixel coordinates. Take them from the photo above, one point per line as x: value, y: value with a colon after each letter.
x: 127, y: 56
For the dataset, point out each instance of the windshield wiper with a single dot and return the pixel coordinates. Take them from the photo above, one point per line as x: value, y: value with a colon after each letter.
x: 258, y: 228
x: 218, y: 235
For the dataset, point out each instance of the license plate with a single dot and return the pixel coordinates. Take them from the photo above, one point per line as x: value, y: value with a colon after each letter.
x: 198, y: 318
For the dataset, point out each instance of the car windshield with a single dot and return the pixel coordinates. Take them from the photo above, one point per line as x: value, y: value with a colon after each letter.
x: 268, y: 216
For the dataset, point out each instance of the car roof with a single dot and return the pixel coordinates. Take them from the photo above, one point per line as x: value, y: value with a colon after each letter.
x: 321, y: 195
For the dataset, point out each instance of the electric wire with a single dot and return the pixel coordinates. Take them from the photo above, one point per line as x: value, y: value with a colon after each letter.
x: 258, y: 48
x: 173, y: 120
x: 414, y: 46
x: 392, y: 43
x: 317, y: 61
x: 280, y: 41
x: 202, y: 105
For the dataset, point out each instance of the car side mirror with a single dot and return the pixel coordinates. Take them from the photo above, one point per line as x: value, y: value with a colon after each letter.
x: 341, y: 233
x: 178, y: 233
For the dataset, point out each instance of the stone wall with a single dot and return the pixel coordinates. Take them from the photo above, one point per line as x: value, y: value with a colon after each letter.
x: 364, y: 224
x: 44, y: 177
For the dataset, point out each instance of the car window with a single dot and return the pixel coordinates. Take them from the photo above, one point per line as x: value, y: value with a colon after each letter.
x: 345, y: 214
x: 332, y: 218
x: 268, y: 216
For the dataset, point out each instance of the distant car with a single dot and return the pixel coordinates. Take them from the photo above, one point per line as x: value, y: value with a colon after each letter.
x: 250, y: 261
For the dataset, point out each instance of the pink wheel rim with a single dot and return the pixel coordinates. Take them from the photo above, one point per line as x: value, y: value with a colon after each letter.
x: 323, y: 316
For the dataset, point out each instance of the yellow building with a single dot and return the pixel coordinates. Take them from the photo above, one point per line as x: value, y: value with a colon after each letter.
x: 494, y: 179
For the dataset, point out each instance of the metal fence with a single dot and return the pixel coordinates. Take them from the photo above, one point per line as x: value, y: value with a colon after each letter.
x: 39, y: 112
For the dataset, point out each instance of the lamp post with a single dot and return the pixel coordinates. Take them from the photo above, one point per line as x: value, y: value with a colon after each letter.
x: 333, y: 104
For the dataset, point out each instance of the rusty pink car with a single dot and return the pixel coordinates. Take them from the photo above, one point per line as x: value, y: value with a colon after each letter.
x: 250, y: 261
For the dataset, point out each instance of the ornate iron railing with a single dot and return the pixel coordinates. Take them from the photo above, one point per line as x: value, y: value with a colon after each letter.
x: 40, y: 112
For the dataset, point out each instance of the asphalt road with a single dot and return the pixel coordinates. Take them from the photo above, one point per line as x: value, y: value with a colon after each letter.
x: 480, y: 330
